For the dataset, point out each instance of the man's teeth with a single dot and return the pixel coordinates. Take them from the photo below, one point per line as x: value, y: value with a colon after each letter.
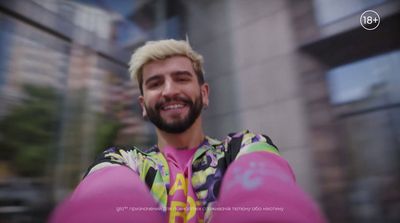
x: 169, y: 107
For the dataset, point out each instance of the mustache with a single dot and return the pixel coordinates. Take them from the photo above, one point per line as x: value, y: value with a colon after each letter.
x: 178, y: 98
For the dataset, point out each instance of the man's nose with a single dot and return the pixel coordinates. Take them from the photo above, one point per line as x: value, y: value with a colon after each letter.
x: 170, y: 89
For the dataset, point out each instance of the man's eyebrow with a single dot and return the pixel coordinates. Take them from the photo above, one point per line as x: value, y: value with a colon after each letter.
x: 152, y: 78
x: 182, y: 73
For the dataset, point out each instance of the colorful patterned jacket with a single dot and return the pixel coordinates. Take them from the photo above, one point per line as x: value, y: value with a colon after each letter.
x: 209, y: 164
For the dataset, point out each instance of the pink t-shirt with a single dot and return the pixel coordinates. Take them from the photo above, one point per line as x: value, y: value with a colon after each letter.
x: 182, y: 200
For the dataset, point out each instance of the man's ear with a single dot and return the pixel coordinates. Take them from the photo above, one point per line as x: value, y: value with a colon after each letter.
x: 141, y: 102
x: 204, y: 89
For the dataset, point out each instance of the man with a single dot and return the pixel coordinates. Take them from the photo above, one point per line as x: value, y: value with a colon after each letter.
x: 187, y: 172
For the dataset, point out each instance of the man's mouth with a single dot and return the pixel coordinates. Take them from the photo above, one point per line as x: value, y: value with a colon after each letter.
x: 172, y: 107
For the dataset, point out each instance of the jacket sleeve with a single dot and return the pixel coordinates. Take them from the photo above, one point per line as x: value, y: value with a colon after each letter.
x: 251, y: 142
x: 111, y: 194
x: 259, y: 186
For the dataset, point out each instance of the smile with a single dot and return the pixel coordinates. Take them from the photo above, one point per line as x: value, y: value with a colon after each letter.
x: 172, y: 107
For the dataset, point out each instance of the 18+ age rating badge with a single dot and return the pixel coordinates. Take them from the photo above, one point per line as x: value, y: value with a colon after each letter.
x: 370, y: 20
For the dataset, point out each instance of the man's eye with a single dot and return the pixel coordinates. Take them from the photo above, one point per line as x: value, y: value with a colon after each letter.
x: 153, y: 84
x: 183, y: 79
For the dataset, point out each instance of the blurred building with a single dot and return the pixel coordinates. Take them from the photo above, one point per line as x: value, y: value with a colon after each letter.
x: 303, y: 72
x: 90, y: 18
x: 29, y: 62
x: 322, y: 87
x: 70, y: 48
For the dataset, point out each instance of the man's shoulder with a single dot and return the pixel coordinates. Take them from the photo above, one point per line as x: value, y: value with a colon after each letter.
x: 245, y: 142
x: 247, y: 137
x: 126, y: 155
x: 130, y: 149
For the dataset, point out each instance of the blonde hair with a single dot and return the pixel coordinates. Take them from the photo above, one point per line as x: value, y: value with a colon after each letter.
x: 160, y: 50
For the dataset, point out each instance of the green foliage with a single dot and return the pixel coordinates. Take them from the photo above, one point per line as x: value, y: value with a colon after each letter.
x: 106, y: 134
x: 28, y: 132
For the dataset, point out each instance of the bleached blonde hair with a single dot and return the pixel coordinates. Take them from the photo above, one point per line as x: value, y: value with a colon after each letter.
x: 160, y: 50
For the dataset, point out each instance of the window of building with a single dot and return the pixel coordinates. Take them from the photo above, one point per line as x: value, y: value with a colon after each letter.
x: 366, y: 98
x: 330, y: 11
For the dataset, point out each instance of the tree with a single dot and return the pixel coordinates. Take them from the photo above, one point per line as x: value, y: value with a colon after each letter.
x: 28, y: 133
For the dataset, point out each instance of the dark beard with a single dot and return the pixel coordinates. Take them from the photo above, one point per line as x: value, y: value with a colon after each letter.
x: 178, y: 126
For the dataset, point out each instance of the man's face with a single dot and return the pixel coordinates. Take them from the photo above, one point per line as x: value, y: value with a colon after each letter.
x: 172, y: 96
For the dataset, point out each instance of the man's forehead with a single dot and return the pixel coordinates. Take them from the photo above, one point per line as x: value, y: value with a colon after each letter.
x: 167, y: 66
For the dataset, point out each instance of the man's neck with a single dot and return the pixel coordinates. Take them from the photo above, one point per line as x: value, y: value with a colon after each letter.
x: 188, y: 139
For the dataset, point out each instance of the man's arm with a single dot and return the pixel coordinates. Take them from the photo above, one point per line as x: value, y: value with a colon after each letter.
x: 259, y: 186
x: 111, y: 191
x: 111, y: 194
